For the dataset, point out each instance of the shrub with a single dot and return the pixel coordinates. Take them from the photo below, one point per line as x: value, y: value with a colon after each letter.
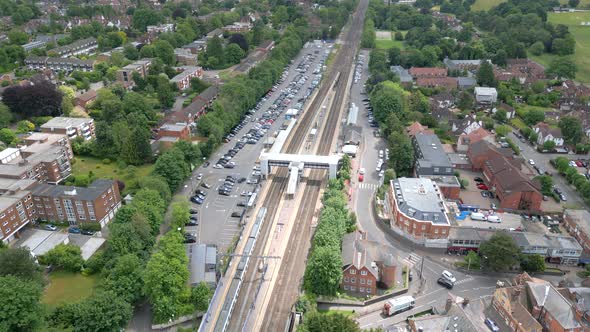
x: 90, y: 226
x: 106, y: 161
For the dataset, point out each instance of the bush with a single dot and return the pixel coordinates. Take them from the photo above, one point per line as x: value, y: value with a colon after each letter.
x: 106, y: 161
x: 90, y: 226
x: 64, y: 256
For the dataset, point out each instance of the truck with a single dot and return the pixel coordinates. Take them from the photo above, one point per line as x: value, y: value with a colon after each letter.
x: 398, y: 305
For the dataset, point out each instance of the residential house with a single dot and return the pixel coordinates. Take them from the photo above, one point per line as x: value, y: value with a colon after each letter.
x: 416, y: 128
x: 452, y: 318
x: 195, y: 109
x: 430, y: 158
x: 551, y: 308
x: 238, y: 27
x: 577, y: 223
x: 428, y: 72
x: 487, y: 96
x: 474, y: 136
x: 72, y: 127
x: 511, y: 303
x: 482, y: 150
x: 463, y: 65
x: 525, y: 71
x: 417, y: 209
x: 179, y: 130
x: 365, y: 264
x: 546, y: 133
x: 464, y: 83
x: 510, y: 112
x: 465, y: 125
x: 79, y: 47
x: 449, y: 83
x: 59, y: 64
x: 402, y: 73
x: 196, y: 46
x: 183, y: 79
x: 158, y: 29
x: 85, y: 98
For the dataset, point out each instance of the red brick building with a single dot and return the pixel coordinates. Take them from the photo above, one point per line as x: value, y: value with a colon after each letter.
x: 367, y: 263
x: 577, y: 223
x: 428, y: 72
x: 513, y: 189
x: 417, y: 209
x: 482, y: 150
x: 182, y: 131
x: 449, y: 83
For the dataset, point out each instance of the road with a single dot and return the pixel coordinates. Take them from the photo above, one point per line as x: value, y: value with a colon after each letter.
x: 543, y: 161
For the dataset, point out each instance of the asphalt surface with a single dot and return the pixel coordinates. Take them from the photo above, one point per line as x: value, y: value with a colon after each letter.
x: 216, y: 224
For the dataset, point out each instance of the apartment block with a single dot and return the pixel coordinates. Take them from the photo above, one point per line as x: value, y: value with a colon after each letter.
x: 417, y: 209
x: 43, y: 158
x: 16, y: 207
x: 431, y: 159
x: 72, y: 127
x: 96, y: 203
x: 125, y: 74
x: 186, y: 57
x: 183, y: 79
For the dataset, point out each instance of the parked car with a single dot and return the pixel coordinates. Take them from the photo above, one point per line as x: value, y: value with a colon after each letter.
x: 224, y: 192
x: 199, y: 176
x: 74, y: 230
x: 484, y: 193
x: 205, y: 185
x: 206, y: 164
x: 192, y: 223
x: 196, y: 200
x: 236, y: 214
x: 478, y: 179
x: 247, y: 193
x: 87, y: 232
x: 193, y: 211
x: 242, y: 204
x: 482, y: 186
x: 361, y: 177
x: 200, y: 192
x: 50, y: 227
x: 445, y: 283
x: 492, y: 325
x: 189, y: 238
x: 532, y: 162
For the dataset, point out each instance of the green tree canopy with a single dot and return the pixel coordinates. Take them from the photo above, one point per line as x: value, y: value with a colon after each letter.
x: 65, y: 256
x: 20, y: 303
x: 324, y: 271
x: 571, y: 128
x: 499, y: 252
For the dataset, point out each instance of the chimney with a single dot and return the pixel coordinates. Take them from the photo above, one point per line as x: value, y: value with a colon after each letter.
x: 448, y: 305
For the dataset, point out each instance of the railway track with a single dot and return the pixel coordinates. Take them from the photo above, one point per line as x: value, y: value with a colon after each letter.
x: 293, y: 263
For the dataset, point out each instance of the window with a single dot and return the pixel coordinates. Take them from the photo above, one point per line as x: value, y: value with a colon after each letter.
x: 353, y: 280
x: 362, y: 289
x: 82, y: 217
x: 363, y: 273
x: 362, y: 280
x: 8, y: 230
x: 346, y: 279
x: 346, y: 287
x: 369, y: 290
x: 423, y: 227
x: 436, y: 170
x: 436, y: 231
x: 5, y: 223
x: 353, y: 271
x: 369, y: 282
x: 353, y: 289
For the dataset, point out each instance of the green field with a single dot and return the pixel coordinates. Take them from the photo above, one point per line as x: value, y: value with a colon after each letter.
x: 66, y: 287
x: 582, y: 35
x: 383, y: 43
x: 83, y: 165
x: 485, y: 4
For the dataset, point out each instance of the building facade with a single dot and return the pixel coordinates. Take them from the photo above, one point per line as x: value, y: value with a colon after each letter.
x: 72, y: 127
x: 430, y: 158
x: 183, y: 79
x: 125, y: 74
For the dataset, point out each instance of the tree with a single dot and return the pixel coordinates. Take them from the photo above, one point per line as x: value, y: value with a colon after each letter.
x: 7, y: 136
x: 197, y: 85
x: 131, y: 52
x: 466, y: 101
x: 165, y: 52
x: 240, y: 40
x: 125, y: 278
x: 215, y: 48
x: 103, y: 311
x: 532, y: 263
x: 233, y: 53
x: 158, y: 184
x: 423, y: 4
x: 573, y: 3
x: 164, y: 89
x: 172, y: 167
x: 546, y: 183
x: 485, y: 75
x: 65, y: 256
x: 323, y: 273
x: 472, y: 260
x: 129, y: 237
x: 144, y: 16
x: 200, y: 295
x: 499, y: 252
x: 537, y: 48
x: 534, y: 116
x: 337, y: 322
x: 40, y: 98
x: 20, y: 303
x: 500, y: 116
x: 180, y: 214
x: 24, y: 126
x: 549, y: 145
x: 5, y: 116
x: 562, y: 67
x: 18, y: 262
x: 388, y: 175
x: 571, y: 128
x: 401, y: 153
x: 394, y: 55
x: 533, y: 137
x: 18, y: 37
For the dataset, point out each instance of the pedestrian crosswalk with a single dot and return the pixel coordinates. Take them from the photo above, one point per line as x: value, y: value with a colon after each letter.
x: 369, y: 186
x: 462, y: 281
x: 412, y: 260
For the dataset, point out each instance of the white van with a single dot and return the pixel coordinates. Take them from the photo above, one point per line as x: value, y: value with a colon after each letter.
x: 478, y: 216
x: 494, y: 219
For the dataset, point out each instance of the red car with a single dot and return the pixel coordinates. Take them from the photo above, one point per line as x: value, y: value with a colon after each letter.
x: 579, y: 163
x: 482, y: 187
x: 361, y: 177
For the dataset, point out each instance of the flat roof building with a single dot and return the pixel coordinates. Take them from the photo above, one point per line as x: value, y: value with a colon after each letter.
x: 430, y: 157
x: 72, y: 127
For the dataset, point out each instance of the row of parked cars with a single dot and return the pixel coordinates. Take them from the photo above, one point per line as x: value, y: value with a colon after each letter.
x: 358, y: 70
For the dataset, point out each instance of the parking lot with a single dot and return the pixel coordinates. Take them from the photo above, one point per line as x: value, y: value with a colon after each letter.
x: 509, y: 221
x: 472, y: 195
x: 237, y: 157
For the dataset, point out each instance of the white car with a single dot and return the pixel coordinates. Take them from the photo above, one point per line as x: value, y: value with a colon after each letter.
x: 247, y: 193
x: 382, y: 173
x: 199, y: 176
x: 217, y: 166
x: 532, y: 162
x: 449, y: 276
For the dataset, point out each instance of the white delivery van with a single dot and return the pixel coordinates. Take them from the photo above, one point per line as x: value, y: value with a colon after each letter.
x: 494, y: 219
x: 399, y: 304
x: 478, y: 216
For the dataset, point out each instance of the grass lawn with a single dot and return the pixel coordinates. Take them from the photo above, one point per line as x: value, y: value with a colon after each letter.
x: 111, y: 171
x: 66, y: 287
x: 383, y: 43
x: 582, y: 36
x: 485, y: 4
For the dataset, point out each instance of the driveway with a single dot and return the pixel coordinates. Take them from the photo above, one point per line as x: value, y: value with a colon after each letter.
x: 543, y: 160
